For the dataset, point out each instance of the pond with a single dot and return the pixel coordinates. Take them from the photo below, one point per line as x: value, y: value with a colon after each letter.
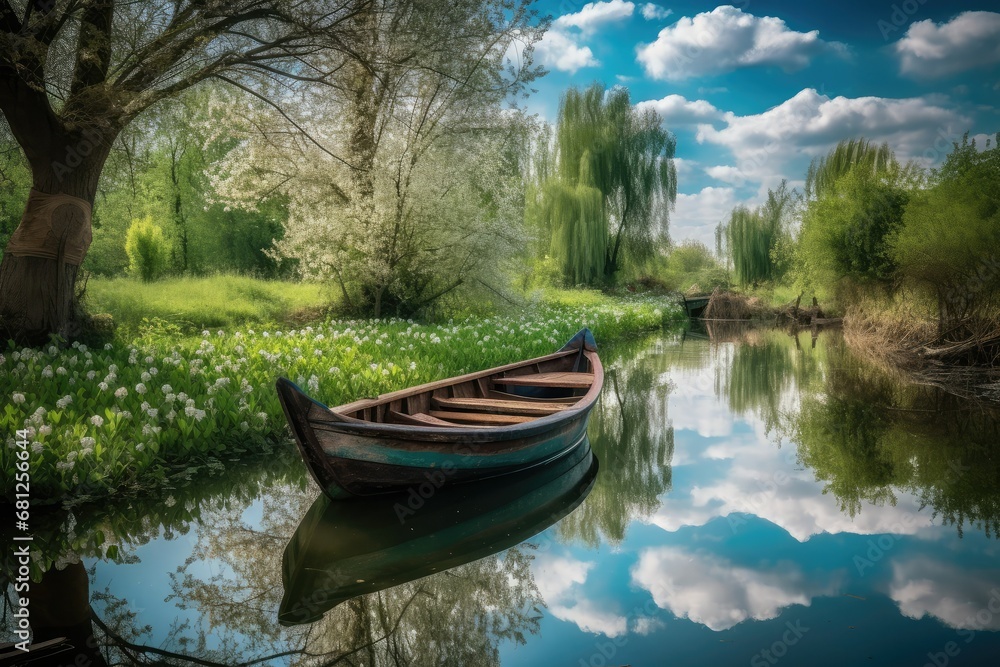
x: 750, y: 497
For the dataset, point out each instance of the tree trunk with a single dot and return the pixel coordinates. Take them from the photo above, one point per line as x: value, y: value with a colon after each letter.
x: 40, y: 264
x: 364, y: 102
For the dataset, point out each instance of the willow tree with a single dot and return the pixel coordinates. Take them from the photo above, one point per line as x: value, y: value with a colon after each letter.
x: 604, y: 144
x: 848, y: 154
x: 75, y: 73
x: 751, y: 236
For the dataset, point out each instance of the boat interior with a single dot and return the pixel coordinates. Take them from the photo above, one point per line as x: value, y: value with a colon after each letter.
x: 503, y: 396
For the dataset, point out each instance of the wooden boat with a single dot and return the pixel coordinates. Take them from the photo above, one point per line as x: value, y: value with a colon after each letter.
x: 465, y: 428
x: 342, y: 550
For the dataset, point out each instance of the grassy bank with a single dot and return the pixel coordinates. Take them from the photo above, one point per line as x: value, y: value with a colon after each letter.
x: 108, y: 420
x: 193, y: 304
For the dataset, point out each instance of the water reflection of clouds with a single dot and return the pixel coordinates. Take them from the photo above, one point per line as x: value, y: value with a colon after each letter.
x: 958, y: 597
x: 717, y: 593
x: 746, y: 472
x: 561, y: 581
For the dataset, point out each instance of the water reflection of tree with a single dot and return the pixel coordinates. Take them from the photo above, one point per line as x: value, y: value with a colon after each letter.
x: 631, y: 434
x: 456, y: 618
x: 229, y: 589
x: 868, y: 434
x: 762, y: 369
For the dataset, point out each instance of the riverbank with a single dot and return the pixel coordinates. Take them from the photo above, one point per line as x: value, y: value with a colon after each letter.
x: 135, y: 414
x: 898, y: 336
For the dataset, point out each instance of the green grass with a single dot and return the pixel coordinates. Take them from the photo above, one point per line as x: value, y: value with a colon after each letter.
x: 193, y: 304
x: 124, y: 416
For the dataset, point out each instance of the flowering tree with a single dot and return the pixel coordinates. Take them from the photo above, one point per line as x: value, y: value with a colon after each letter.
x: 402, y: 181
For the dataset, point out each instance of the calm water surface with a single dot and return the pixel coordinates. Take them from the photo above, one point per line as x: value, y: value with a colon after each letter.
x: 752, y: 499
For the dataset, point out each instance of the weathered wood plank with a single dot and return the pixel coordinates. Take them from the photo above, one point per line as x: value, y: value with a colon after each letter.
x: 420, y: 419
x: 568, y: 380
x: 504, y: 396
x: 480, y: 418
x: 502, y: 407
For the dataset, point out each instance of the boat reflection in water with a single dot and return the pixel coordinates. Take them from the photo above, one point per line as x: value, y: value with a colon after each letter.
x: 343, y: 550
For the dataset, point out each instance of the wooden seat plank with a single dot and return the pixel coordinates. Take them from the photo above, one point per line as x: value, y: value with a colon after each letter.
x: 561, y: 379
x: 481, y: 418
x: 420, y: 419
x: 504, y: 396
x: 500, y: 406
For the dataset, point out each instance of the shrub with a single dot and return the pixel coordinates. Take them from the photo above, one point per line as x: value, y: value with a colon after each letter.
x: 147, y: 249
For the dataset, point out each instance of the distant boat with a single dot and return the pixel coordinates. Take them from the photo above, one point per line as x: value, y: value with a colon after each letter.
x: 466, y: 428
x: 343, y: 550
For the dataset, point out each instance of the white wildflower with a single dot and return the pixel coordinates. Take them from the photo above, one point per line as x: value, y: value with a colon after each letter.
x: 18, y: 398
x: 97, y: 420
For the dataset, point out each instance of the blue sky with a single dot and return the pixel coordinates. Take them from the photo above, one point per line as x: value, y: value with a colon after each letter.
x: 755, y: 90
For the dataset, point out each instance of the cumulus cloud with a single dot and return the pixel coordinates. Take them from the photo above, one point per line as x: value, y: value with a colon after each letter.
x: 772, y: 144
x: 726, y: 39
x: 652, y: 12
x: 562, y: 48
x: 595, y: 15
x: 558, y: 50
x: 695, y: 217
x: 676, y: 110
x: 970, y: 40
x: 560, y: 581
x: 960, y: 598
x: 714, y: 591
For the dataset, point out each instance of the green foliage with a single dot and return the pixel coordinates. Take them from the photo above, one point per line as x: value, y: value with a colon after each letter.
x: 848, y: 233
x: 691, y: 265
x: 849, y: 154
x: 860, y: 193
x: 194, y: 304
x: 751, y: 237
x: 15, y: 182
x: 105, y: 419
x: 161, y: 168
x: 579, y: 231
x: 949, y: 242
x: 147, y: 249
x: 604, y: 149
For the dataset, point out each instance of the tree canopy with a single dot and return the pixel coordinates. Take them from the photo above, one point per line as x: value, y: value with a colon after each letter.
x: 604, y: 150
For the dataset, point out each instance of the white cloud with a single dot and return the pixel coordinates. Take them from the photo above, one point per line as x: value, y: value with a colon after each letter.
x: 727, y: 174
x: 652, y: 12
x: 695, y: 217
x: 958, y: 597
x: 970, y: 40
x: 561, y: 46
x: 780, y: 141
x: 561, y: 51
x: 560, y: 580
x: 715, y: 592
x: 594, y: 15
x: 676, y: 110
x: 726, y: 39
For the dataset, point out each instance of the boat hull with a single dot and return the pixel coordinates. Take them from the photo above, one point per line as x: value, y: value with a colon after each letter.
x: 349, y: 462
x: 350, y: 457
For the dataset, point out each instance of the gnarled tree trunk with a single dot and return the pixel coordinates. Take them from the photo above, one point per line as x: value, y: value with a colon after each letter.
x: 40, y: 264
